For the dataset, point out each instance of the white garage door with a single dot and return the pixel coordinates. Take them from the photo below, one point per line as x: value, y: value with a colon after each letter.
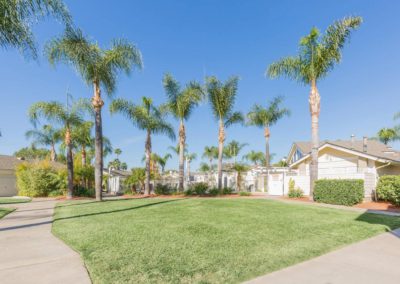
x: 275, y: 184
x: 8, y: 185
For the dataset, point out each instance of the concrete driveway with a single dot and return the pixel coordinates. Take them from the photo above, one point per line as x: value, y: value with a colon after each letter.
x: 29, y: 251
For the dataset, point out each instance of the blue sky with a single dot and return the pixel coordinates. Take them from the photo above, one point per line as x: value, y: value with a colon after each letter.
x: 221, y: 38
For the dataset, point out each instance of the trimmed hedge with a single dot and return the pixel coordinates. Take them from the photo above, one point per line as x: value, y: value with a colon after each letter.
x: 388, y: 189
x: 339, y: 191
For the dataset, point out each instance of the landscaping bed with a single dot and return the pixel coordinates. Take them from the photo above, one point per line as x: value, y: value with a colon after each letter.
x: 204, y: 240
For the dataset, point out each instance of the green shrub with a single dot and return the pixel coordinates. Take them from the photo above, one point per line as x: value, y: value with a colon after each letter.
x: 244, y: 193
x: 213, y: 191
x: 294, y: 192
x: 164, y: 189
x: 227, y: 190
x: 200, y: 188
x: 339, y: 191
x: 388, y: 189
x: 189, y: 191
x: 40, y: 180
x: 82, y: 191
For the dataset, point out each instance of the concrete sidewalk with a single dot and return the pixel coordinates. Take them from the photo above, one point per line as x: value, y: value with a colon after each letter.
x: 29, y: 253
x: 375, y: 260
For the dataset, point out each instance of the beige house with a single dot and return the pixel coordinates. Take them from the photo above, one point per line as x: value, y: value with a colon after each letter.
x: 346, y: 159
x: 8, y: 185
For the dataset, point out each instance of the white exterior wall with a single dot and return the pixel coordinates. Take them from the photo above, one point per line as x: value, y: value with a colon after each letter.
x: 8, y: 182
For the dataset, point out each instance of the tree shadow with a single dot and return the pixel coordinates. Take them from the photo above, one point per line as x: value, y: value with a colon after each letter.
x: 118, y: 210
x: 25, y: 226
x: 391, y: 221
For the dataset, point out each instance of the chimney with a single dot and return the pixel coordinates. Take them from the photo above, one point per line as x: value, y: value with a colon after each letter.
x: 353, y: 140
x: 365, y: 144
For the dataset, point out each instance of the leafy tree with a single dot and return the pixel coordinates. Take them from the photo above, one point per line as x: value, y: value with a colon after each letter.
x: 17, y: 17
x: 317, y: 57
x: 256, y: 158
x: 189, y: 158
x: 282, y: 163
x: 211, y: 153
x: 146, y: 117
x: 47, y: 136
x: 222, y: 99
x: 67, y: 117
x: 181, y: 102
x: 98, y: 67
x: 32, y: 153
x: 233, y: 149
x: 386, y: 135
x: 265, y: 118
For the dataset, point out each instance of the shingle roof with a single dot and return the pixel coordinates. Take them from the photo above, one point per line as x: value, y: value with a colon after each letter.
x: 374, y: 148
x: 10, y: 162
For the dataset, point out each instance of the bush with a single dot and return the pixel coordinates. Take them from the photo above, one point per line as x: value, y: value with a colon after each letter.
x: 82, y: 191
x: 40, y: 180
x: 294, y: 192
x: 339, y: 191
x: 244, y: 193
x: 164, y: 189
x: 213, y: 191
x: 227, y: 190
x: 388, y: 189
x: 200, y: 188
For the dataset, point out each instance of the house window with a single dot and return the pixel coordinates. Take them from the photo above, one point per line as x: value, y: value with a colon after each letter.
x: 296, y: 156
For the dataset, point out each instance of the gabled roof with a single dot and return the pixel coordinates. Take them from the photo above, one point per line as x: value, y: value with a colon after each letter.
x: 374, y: 149
x: 10, y: 162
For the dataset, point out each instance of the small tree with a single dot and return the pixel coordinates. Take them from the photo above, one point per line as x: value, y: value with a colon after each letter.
x: 47, y: 136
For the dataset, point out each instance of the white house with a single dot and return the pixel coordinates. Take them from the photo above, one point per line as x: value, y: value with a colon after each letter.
x: 8, y: 179
x: 345, y: 159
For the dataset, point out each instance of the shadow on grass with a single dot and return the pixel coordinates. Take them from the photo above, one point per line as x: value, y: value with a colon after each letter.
x: 392, y: 222
x: 118, y: 210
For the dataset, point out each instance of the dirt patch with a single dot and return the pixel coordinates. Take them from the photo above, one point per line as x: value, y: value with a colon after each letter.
x: 379, y: 206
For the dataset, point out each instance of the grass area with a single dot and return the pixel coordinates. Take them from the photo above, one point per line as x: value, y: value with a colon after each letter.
x: 11, y: 200
x: 204, y: 240
x: 5, y: 211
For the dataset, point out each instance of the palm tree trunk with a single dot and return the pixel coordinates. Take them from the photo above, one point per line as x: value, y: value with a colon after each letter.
x: 148, y: 156
x: 267, y: 156
x: 53, y: 155
x: 188, y: 169
x: 314, y: 101
x: 182, y: 138
x: 70, y: 165
x: 83, y: 154
x: 221, y: 139
x: 98, y: 146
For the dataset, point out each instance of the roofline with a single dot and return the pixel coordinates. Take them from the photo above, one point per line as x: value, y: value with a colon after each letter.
x: 344, y: 149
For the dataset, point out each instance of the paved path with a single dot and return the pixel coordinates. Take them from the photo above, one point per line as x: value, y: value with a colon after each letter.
x: 375, y: 260
x: 29, y: 253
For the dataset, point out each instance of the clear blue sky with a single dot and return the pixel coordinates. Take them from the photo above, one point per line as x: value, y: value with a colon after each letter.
x: 222, y: 38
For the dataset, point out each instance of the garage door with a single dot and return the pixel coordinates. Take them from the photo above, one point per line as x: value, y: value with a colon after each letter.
x: 8, y: 185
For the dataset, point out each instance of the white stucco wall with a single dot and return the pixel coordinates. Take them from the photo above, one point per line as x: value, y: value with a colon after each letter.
x: 8, y: 183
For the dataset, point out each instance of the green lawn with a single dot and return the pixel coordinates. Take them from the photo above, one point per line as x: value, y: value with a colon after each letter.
x: 5, y: 211
x: 11, y: 200
x: 204, y: 240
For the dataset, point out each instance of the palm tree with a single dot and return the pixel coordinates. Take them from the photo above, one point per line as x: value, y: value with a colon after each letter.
x: 211, y: 153
x: 222, y: 99
x: 17, y: 18
x: 386, y: 135
x: 145, y: 117
x: 162, y: 161
x: 255, y: 157
x: 181, y: 102
x: 82, y: 137
x: 189, y: 158
x: 47, y: 136
x: 265, y: 118
x: 239, y: 169
x: 117, y: 152
x: 67, y: 117
x: 99, y: 68
x: 204, y: 168
x: 233, y: 149
x: 318, y: 55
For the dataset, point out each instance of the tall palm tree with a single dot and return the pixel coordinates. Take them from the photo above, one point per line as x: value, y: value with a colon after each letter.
x: 265, y: 118
x: 317, y: 56
x: 386, y: 135
x: 67, y: 117
x: 233, y: 149
x: 117, y: 152
x: 222, y: 99
x: 255, y: 157
x: 210, y: 153
x: 17, y: 18
x: 47, y: 136
x: 189, y: 158
x: 99, y: 68
x: 146, y: 117
x: 181, y: 102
